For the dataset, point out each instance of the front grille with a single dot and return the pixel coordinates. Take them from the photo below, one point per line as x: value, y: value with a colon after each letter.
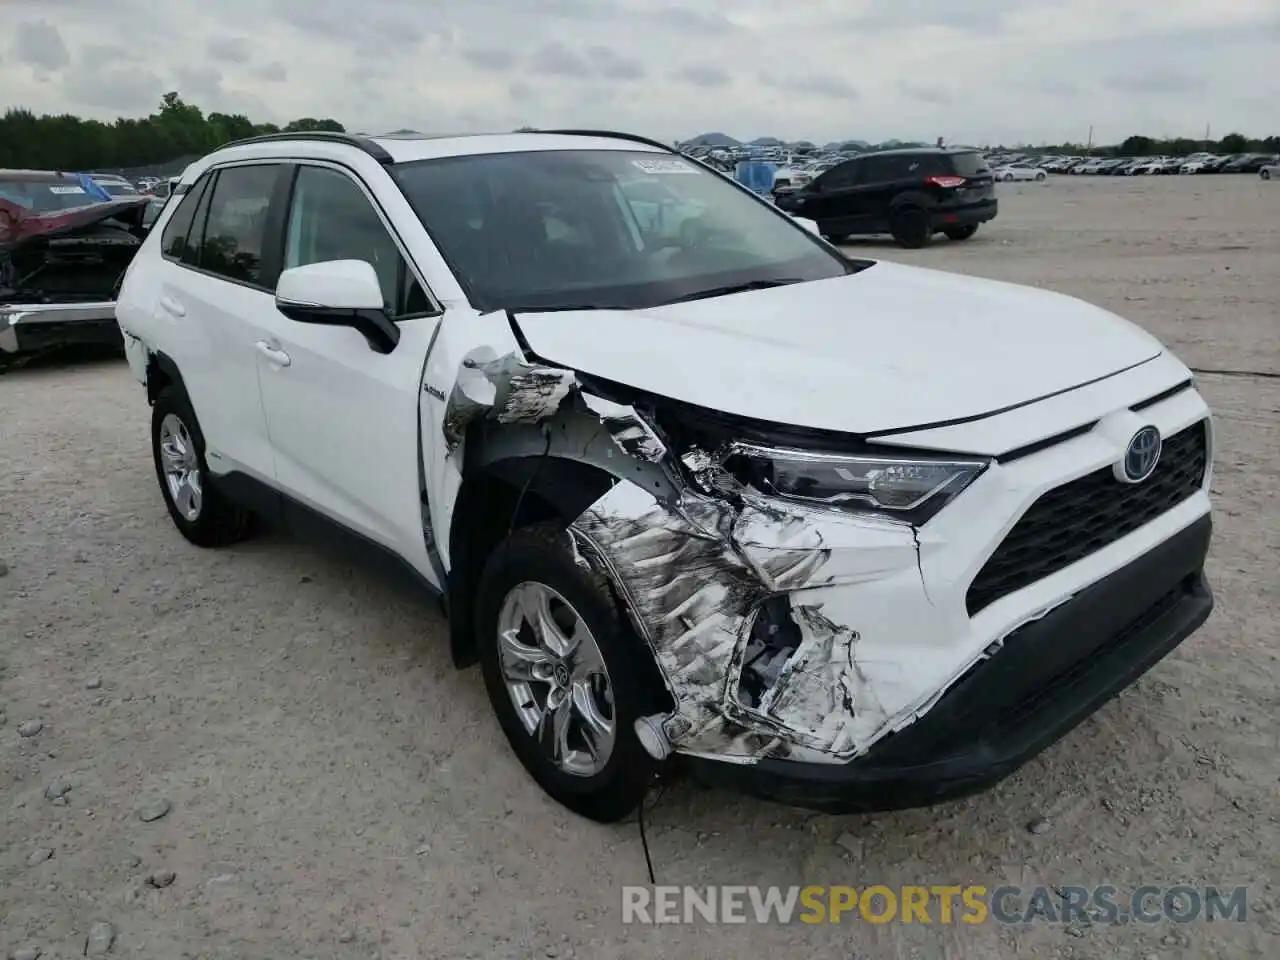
x: 1078, y: 518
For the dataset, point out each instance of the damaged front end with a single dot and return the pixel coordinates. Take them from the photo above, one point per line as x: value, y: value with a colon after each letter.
x: 757, y: 591
x: 60, y: 271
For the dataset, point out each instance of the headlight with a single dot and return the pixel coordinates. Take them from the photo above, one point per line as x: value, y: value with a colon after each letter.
x: 910, y: 489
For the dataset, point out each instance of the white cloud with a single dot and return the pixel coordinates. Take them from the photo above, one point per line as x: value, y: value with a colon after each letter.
x: 982, y: 70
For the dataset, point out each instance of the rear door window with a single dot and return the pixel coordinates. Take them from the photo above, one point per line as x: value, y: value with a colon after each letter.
x: 882, y: 169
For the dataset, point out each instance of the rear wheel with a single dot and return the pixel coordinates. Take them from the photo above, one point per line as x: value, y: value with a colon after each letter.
x: 1008, y: 178
x: 199, y: 511
x: 910, y: 228
x: 1041, y: 175
x: 961, y: 233
x: 565, y: 676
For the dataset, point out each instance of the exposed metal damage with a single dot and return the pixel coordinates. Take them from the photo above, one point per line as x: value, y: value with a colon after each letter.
x: 508, y: 389
x: 728, y: 587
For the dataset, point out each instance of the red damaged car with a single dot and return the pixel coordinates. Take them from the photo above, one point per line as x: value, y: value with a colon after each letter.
x: 63, y: 253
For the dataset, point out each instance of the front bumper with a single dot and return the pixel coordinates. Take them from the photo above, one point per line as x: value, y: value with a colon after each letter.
x: 30, y: 328
x: 1049, y: 676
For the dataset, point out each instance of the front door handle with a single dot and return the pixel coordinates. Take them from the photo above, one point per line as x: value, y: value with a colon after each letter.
x: 275, y: 355
x: 173, y: 306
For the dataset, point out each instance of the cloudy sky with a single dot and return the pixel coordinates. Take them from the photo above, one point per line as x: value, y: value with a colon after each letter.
x: 970, y: 70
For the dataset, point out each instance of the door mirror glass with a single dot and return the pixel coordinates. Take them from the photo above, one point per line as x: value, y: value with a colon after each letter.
x: 340, y: 293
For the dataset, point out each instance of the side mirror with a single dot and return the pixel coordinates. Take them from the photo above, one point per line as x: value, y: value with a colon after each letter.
x: 338, y: 293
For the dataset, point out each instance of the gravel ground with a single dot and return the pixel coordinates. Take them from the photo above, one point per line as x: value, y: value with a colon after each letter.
x: 329, y: 787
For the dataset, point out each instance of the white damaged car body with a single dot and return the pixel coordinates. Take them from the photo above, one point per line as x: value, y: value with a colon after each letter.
x: 874, y: 534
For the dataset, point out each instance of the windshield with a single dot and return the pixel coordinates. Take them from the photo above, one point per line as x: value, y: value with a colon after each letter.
x: 581, y: 229
x: 44, y: 196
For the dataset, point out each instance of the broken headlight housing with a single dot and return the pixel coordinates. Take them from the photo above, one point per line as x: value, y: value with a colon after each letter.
x: 909, y: 489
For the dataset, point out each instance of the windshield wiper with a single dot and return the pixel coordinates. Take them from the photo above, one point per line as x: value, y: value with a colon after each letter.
x: 566, y: 308
x: 736, y: 288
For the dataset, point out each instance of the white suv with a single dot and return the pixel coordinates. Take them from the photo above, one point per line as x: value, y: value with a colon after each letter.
x: 844, y: 533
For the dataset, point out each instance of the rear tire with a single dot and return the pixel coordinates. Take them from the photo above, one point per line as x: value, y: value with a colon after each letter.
x: 910, y: 228
x: 1040, y: 176
x: 961, y: 233
x: 198, y: 510
x: 535, y: 567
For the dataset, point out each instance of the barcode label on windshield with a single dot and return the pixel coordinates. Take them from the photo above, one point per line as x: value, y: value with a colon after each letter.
x: 663, y: 166
x: 63, y: 190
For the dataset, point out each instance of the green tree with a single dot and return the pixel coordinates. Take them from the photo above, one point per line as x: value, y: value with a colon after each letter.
x: 176, y: 129
x: 1234, y: 143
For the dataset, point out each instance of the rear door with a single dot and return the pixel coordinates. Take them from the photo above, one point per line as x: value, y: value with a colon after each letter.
x: 216, y: 284
x: 343, y: 419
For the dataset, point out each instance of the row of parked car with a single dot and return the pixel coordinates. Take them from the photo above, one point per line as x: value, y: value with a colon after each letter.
x: 1262, y: 164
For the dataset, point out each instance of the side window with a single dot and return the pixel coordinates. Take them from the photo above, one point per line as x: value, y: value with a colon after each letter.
x: 844, y: 175
x: 173, y: 242
x: 331, y: 218
x: 881, y: 169
x: 235, y: 232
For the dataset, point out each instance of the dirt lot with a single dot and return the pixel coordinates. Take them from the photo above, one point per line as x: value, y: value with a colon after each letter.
x: 337, y: 791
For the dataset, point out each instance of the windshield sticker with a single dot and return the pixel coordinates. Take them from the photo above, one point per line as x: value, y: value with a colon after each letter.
x: 63, y: 190
x: 664, y: 166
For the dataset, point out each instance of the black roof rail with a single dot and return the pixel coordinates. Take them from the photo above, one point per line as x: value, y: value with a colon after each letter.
x: 609, y: 135
x: 370, y: 147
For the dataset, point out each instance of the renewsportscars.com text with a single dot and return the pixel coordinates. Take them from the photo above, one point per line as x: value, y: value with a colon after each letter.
x: 935, y: 904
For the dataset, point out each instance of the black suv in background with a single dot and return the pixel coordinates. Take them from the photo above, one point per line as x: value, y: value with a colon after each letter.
x: 911, y: 194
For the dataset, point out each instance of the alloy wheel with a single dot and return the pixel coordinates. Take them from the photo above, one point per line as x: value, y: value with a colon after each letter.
x: 181, y: 466
x: 556, y: 678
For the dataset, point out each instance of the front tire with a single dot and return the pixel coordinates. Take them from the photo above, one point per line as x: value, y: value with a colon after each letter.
x: 198, y: 510
x: 1265, y: 174
x: 1040, y: 176
x: 565, y: 676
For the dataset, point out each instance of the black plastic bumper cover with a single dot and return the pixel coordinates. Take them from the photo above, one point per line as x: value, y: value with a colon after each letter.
x: 37, y: 337
x: 1050, y: 675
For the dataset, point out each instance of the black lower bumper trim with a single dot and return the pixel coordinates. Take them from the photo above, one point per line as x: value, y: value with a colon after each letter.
x: 39, y: 337
x: 1049, y: 676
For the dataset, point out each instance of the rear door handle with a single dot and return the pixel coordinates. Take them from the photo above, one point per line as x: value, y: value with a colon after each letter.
x: 173, y: 306
x: 275, y: 355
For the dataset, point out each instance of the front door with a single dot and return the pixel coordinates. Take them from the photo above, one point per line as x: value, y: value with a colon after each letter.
x: 343, y: 419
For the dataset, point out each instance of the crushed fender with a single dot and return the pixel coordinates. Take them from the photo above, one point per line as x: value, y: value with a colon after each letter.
x: 708, y: 584
x: 507, y: 389
x: 725, y: 584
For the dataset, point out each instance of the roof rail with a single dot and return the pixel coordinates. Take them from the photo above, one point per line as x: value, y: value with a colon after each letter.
x: 609, y: 135
x: 370, y: 147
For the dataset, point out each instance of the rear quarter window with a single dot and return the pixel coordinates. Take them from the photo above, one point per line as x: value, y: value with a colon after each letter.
x: 969, y: 165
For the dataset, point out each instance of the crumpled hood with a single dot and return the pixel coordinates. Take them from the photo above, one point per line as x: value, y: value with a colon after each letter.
x: 18, y: 225
x: 885, y: 349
